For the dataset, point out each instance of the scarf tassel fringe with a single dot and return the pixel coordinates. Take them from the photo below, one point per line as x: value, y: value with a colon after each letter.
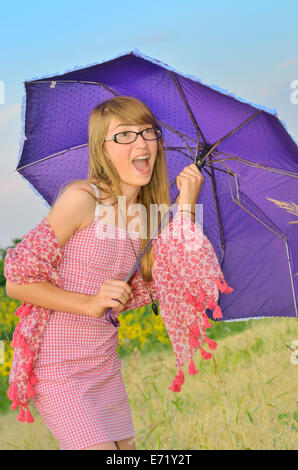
x: 19, y: 341
x: 194, y: 332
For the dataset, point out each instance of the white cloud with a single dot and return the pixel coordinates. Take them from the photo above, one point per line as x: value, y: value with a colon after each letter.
x: 270, y: 88
x: 289, y: 62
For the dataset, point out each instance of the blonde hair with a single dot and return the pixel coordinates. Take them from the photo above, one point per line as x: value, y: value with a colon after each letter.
x: 101, y: 170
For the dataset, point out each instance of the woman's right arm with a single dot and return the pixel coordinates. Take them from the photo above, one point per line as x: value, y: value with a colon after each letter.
x: 65, y: 217
x: 47, y: 295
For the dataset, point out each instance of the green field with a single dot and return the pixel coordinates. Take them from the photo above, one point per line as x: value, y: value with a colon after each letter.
x: 245, y: 397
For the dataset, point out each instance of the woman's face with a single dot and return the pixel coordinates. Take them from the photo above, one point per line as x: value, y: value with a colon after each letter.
x: 123, y: 155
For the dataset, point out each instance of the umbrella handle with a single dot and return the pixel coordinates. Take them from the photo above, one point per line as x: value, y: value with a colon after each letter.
x: 108, y: 315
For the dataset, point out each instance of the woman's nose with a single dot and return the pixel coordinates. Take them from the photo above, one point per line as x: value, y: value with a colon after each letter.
x: 139, y: 136
x: 140, y: 141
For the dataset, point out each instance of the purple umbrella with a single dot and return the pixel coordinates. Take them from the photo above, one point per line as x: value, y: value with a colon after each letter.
x: 250, y: 170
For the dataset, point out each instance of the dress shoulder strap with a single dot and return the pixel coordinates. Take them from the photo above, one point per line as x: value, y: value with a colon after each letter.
x: 97, y: 203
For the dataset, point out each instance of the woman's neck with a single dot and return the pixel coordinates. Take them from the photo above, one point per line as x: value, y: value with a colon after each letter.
x: 130, y: 192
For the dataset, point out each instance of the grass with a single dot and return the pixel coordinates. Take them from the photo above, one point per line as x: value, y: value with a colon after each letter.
x: 245, y: 397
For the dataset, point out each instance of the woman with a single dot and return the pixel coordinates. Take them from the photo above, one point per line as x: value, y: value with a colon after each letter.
x: 80, y: 393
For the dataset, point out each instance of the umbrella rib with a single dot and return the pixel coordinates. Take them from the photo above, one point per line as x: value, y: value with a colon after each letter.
x: 217, y: 209
x: 188, y: 109
x: 215, y: 168
x: 179, y: 149
x: 291, y: 276
x: 50, y: 156
x: 54, y: 82
x: 213, y: 146
x: 189, y: 148
x: 238, y: 201
x: 175, y: 131
x: 257, y: 165
x: 237, y: 128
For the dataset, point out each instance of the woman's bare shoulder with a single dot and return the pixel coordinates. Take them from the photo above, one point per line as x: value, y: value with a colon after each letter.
x: 72, y: 211
x: 79, y: 185
x: 86, y: 187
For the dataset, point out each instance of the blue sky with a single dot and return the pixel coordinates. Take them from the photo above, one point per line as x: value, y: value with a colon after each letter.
x: 247, y: 48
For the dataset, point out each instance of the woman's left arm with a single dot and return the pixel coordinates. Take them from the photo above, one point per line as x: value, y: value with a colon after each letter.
x: 189, y: 182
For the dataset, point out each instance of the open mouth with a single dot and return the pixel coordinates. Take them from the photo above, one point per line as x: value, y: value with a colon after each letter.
x: 142, y: 166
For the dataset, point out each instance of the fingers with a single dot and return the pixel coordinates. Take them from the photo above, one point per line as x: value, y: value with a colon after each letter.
x: 190, y: 173
x: 122, y: 284
x: 117, y: 290
x: 192, y: 170
x: 118, y: 305
x: 115, y: 303
x: 123, y: 297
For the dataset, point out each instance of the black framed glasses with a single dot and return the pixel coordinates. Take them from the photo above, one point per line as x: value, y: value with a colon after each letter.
x: 127, y: 137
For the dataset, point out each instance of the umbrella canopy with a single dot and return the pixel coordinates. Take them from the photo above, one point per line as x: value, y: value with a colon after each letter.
x: 251, y: 167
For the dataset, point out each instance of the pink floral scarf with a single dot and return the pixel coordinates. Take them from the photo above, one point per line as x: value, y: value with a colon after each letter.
x: 34, y: 259
x: 187, y: 278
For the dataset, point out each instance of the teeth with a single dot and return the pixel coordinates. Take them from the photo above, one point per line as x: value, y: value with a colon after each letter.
x: 142, y: 158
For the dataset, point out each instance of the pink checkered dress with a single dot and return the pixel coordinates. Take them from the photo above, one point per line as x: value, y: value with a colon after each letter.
x: 80, y: 393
